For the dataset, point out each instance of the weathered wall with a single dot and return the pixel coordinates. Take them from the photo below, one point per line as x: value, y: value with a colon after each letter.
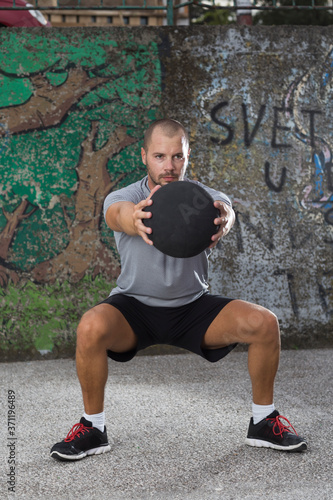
x: 74, y: 104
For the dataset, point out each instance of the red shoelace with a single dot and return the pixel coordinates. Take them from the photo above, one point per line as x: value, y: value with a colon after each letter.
x: 279, y: 427
x: 75, y: 431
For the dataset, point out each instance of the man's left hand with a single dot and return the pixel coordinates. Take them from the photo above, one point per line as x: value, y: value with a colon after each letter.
x: 225, y: 221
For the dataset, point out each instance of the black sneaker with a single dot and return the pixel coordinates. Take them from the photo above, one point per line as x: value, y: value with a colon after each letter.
x: 271, y: 432
x: 82, y: 440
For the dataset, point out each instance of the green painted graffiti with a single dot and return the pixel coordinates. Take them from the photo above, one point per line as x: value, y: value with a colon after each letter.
x: 97, y: 89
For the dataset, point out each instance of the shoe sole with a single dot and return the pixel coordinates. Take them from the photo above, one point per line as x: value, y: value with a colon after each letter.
x: 258, y: 443
x: 70, y: 458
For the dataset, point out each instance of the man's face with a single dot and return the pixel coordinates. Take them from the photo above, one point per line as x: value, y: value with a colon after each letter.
x: 166, y: 159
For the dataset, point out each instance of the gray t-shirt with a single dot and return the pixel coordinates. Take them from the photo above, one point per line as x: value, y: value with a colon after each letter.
x: 148, y: 274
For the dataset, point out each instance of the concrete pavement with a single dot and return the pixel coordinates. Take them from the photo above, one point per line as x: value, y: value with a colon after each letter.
x: 178, y: 426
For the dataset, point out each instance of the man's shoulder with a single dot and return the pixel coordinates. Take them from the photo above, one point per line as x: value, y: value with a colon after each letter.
x: 216, y: 194
x: 139, y: 185
x: 135, y: 192
x: 138, y: 188
x: 195, y: 181
x: 198, y: 183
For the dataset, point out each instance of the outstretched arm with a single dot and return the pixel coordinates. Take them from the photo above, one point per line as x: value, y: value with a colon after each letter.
x: 126, y: 217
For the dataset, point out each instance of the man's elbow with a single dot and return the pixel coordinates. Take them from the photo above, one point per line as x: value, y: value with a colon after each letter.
x: 112, y: 218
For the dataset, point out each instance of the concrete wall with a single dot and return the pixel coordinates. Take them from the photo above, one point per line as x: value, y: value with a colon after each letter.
x: 73, y: 108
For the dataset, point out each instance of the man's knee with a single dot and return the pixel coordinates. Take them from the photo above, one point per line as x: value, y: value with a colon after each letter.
x: 265, y: 323
x: 104, y: 327
x: 91, y: 330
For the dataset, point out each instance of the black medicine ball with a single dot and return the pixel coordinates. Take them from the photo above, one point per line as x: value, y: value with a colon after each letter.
x: 182, y: 219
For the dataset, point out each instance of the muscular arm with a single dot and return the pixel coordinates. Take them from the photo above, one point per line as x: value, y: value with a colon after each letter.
x: 119, y: 217
x: 126, y: 217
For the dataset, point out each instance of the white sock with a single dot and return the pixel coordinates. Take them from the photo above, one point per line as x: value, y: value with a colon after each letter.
x: 259, y: 412
x: 97, y: 420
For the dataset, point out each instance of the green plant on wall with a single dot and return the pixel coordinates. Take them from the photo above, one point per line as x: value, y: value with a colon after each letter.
x: 42, y: 318
x: 72, y: 113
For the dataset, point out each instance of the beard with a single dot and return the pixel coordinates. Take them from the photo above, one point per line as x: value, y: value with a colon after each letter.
x: 159, y: 180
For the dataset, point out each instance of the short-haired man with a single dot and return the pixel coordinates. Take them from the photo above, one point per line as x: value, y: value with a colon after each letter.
x: 160, y: 299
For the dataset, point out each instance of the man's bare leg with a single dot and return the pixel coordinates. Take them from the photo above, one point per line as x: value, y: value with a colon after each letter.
x: 248, y: 323
x: 101, y: 328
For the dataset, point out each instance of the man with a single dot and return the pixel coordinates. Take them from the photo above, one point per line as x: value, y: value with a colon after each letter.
x: 161, y: 299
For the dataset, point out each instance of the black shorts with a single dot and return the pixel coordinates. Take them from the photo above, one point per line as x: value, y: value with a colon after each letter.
x: 183, y: 326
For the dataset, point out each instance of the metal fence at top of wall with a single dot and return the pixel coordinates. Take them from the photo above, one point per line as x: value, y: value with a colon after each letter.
x: 168, y: 10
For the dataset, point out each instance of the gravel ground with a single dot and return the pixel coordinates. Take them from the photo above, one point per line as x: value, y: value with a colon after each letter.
x: 177, y: 426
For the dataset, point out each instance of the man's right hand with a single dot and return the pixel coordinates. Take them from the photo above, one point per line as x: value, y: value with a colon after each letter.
x: 139, y: 214
x: 125, y: 217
